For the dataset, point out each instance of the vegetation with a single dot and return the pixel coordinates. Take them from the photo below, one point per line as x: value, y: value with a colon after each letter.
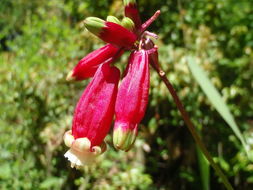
x: 41, y: 41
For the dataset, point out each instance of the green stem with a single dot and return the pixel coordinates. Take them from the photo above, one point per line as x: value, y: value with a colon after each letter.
x: 190, y: 125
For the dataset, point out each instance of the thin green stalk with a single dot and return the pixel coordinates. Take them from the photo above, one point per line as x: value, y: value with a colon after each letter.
x: 190, y: 126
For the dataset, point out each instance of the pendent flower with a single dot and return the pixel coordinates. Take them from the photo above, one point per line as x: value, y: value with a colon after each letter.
x: 132, y: 100
x: 92, y: 118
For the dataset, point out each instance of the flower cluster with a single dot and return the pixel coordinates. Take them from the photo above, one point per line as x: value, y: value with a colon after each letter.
x: 103, y: 99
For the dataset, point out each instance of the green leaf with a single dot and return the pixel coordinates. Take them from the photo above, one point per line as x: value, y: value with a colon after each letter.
x: 215, y: 98
x: 204, y: 169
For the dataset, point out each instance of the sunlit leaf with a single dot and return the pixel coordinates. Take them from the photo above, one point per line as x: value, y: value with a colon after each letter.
x: 214, y: 97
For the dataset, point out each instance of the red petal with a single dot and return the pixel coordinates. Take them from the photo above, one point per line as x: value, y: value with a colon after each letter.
x: 132, y: 12
x: 117, y: 35
x: 88, y: 65
x: 132, y: 97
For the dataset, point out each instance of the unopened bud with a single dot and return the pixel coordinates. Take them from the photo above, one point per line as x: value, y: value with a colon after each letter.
x: 113, y: 19
x: 88, y: 65
x: 128, y: 23
x: 94, y: 25
x: 111, y: 32
x: 132, y: 99
x: 127, y: 2
x: 132, y: 12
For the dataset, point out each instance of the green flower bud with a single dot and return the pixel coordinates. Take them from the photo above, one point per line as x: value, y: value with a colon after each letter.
x: 110, y: 32
x: 94, y: 25
x: 128, y: 23
x: 127, y: 2
x: 113, y: 19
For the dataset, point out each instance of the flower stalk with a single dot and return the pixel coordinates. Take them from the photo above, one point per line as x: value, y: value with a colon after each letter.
x: 190, y: 125
x: 145, y: 25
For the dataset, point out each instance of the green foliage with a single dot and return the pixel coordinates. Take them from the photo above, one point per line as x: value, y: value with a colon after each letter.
x: 40, y: 41
x: 215, y: 98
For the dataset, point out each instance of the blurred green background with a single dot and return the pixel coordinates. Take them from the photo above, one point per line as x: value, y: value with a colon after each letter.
x: 41, y: 41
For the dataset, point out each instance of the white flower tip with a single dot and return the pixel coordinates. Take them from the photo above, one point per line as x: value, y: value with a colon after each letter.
x: 68, y: 138
x: 79, y: 159
x: 81, y: 153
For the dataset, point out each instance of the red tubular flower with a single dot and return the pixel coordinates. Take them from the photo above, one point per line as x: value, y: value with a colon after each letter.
x: 131, y: 100
x: 111, y: 32
x: 118, y: 35
x: 93, y: 116
x: 88, y: 65
x: 132, y: 12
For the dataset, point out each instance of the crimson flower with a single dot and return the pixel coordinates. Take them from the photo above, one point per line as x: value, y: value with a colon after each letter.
x: 93, y: 116
x: 102, y: 99
x: 131, y: 100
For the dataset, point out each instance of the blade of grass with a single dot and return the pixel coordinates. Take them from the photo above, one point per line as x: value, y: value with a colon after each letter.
x: 215, y: 98
x: 204, y: 170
